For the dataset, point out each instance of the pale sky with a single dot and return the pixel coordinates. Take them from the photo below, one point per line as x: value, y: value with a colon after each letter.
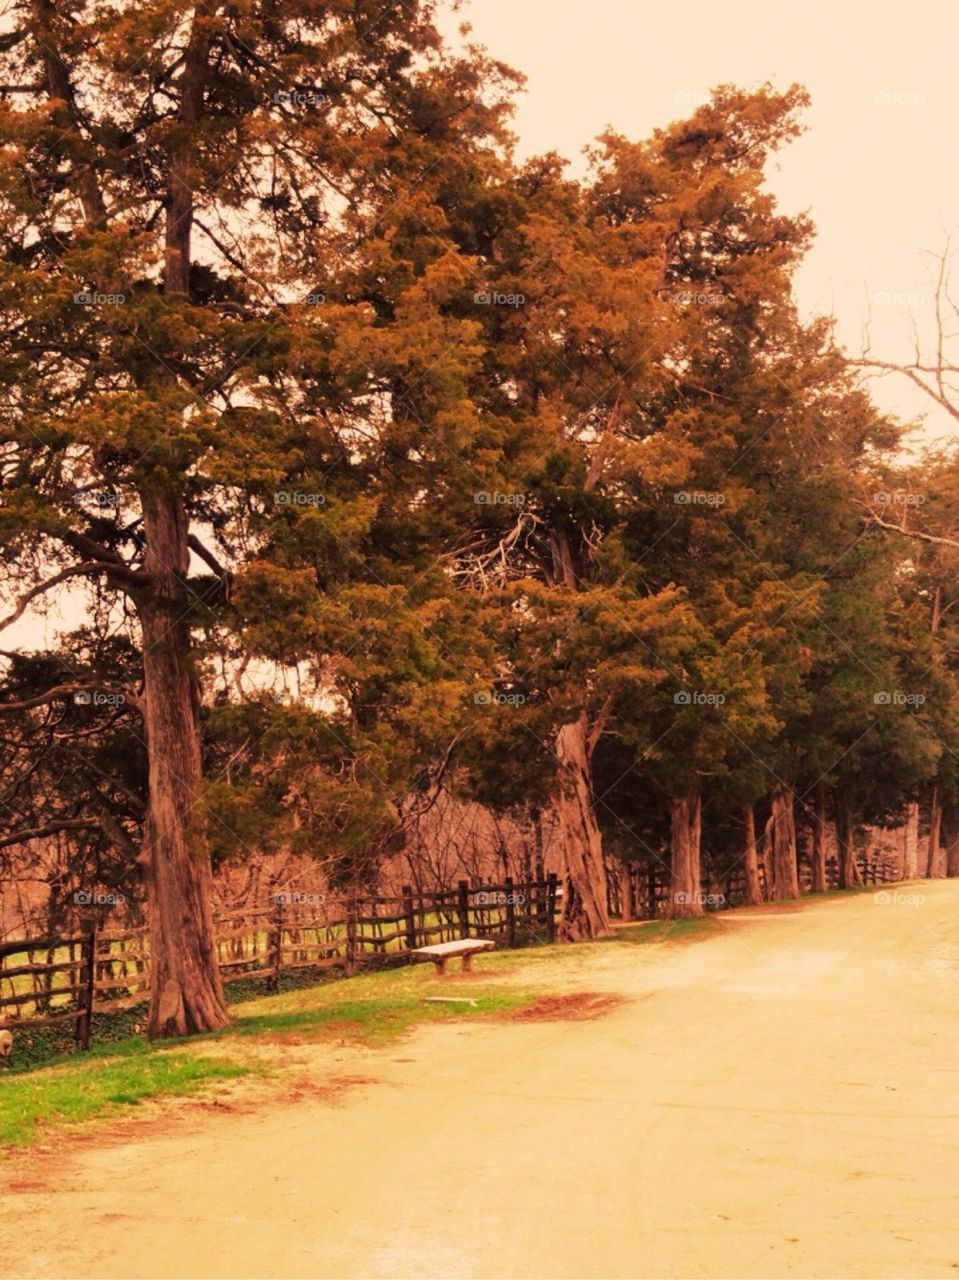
x: 876, y: 169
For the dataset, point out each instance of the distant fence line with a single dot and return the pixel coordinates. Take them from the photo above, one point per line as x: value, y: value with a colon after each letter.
x: 644, y: 892
x: 45, y: 981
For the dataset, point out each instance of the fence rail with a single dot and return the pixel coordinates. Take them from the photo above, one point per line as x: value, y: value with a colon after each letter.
x: 44, y: 981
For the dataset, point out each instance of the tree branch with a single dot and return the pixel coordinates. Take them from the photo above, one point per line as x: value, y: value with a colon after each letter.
x: 918, y: 534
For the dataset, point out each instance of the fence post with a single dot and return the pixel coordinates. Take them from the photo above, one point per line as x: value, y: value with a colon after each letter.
x: 410, y: 925
x: 88, y: 958
x: 551, y: 907
x: 351, y: 932
x: 510, y: 912
x: 463, y: 907
x: 276, y: 942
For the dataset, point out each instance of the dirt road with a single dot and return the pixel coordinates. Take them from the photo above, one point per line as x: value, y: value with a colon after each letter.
x: 779, y: 1100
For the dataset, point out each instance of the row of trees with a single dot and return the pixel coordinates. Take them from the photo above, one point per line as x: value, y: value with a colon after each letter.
x: 367, y: 464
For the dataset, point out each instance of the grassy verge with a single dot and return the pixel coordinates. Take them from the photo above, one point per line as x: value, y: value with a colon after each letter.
x: 665, y: 930
x: 75, y: 1091
x: 372, y: 1009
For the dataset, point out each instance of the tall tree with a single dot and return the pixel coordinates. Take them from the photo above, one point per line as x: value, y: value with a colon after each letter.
x: 199, y: 205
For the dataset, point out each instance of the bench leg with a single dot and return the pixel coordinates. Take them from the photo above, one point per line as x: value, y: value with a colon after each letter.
x: 468, y: 962
x: 441, y: 967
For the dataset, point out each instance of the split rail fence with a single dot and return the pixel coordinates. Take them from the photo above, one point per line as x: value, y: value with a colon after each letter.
x: 46, y: 981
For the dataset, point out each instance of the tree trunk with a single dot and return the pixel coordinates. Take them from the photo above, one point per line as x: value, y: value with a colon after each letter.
x: 820, y: 837
x: 934, y: 867
x: 628, y: 910
x: 754, y: 888
x: 685, y: 897
x: 582, y: 869
x: 186, y: 993
x: 785, y: 878
x: 950, y: 825
x: 910, y: 844
x: 849, y: 873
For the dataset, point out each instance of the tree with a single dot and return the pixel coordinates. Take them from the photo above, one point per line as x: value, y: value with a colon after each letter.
x: 182, y: 188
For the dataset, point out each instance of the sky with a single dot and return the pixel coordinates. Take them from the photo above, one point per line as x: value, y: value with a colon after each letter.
x: 876, y: 169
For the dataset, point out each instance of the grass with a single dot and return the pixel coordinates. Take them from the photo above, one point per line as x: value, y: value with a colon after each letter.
x: 665, y: 930
x: 75, y: 1091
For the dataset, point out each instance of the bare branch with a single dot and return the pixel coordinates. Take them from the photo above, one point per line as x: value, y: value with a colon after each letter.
x: 872, y: 518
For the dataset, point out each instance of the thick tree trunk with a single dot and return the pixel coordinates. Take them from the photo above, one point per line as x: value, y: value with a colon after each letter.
x: 754, y: 888
x: 785, y: 877
x: 186, y: 991
x: 820, y: 837
x: 582, y: 869
x: 950, y: 826
x: 934, y: 863
x: 910, y: 842
x: 849, y: 873
x: 685, y: 897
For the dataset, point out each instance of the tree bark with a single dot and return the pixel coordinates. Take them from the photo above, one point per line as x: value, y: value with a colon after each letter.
x: 628, y: 911
x: 934, y: 866
x: 582, y: 868
x: 950, y: 825
x: 754, y: 888
x: 785, y: 878
x: 849, y: 873
x: 186, y: 993
x: 820, y: 836
x: 685, y: 872
x: 910, y: 842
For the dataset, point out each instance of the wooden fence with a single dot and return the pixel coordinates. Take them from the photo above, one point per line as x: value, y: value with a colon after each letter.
x: 46, y: 981
x: 640, y: 892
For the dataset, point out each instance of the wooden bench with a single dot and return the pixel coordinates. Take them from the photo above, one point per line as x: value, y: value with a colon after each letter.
x: 440, y: 952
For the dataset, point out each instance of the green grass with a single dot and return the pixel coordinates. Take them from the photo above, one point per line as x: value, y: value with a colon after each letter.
x: 373, y: 1021
x: 71, y: 1092
x: 665, y: 930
